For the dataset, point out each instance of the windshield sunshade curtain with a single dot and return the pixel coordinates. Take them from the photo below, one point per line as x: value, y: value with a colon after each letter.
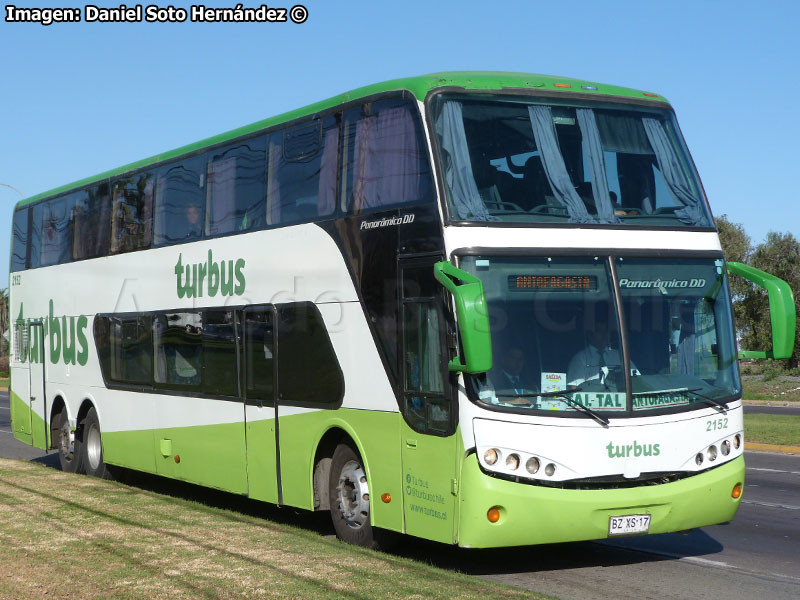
x: 670, y: 167
x: 544, y: 132
x: 458, y: 168
x: 593, y: 150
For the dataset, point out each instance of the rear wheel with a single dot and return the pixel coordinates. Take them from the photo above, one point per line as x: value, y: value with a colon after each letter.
x: 349, y: 498
x: 92, y: 447
x: 69, y: 449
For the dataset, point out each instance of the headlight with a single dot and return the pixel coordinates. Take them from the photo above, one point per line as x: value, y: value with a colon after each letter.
x: 725, y: 447
x: 712, y: 453
x: 490, y: 456
x: 512, y: 462
x: 532, y: 465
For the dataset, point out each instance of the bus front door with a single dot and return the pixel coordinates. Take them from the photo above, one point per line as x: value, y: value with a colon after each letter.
x: 37, y: 416
x: 261, y: 423
x: 428, y: 438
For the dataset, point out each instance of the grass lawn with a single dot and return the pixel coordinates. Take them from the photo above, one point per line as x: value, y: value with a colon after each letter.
x: 772, y: 429
x: 780, y: 390
x: 63, y: 534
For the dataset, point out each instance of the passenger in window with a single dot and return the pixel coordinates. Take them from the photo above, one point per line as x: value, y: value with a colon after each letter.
x: 194, y: 225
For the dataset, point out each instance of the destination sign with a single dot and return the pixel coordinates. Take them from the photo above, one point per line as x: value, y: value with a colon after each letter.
x: 559, y: 283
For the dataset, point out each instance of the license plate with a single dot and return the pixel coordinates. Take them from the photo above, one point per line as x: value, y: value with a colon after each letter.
x: 629, y: 524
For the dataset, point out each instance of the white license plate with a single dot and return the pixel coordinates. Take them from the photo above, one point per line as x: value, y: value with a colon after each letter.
x: 628, y: 524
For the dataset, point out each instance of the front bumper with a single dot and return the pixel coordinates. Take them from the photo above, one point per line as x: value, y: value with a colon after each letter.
x: 532, y: 514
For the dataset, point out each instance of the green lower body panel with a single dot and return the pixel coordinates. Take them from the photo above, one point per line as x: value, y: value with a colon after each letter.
x: 28, y: 427
x: 540, y: 515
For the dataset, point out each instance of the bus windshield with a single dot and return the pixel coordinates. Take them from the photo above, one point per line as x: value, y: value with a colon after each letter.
x: 557, y: 334
x: 515, y: 159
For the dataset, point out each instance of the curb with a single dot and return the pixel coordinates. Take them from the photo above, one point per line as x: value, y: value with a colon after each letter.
x: 780, y: 449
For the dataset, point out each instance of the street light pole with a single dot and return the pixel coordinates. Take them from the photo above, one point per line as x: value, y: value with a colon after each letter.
x: 21, y: 195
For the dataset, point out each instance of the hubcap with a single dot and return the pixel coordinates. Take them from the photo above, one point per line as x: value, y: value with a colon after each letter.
x: 94, y: 448
x: 353, y: 494
x: 65, y: 443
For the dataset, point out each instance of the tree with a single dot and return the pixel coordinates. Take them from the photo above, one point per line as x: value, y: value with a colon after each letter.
x: 780, y: 256
x: 737, y: 248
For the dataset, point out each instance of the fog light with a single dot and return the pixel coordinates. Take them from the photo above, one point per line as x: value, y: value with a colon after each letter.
x: 712, y: 453
x: 699, y: 458
x: 725, y: 447
x: 493, y: 515
x: 737, y: 441
x: 512, y: 462
x: 490, y: 456
x: 550, y: 469
x: 736, y: 493
x: 532, y: 465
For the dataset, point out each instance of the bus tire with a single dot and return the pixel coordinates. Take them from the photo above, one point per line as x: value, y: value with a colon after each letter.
x: 349, y: 498
x: 69, y: 447
x: 92, y: 447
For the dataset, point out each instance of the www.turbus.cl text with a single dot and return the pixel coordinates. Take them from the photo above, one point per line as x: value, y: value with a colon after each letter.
x: 153, y: 13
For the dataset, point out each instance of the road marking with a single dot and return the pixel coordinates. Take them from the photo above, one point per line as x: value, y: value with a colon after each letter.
x: 9, y: 431
x: 771, y: 504
x: 773, y: 470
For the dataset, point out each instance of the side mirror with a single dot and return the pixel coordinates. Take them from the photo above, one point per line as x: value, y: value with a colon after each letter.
x: 472, y: 315
x: 781, y: 311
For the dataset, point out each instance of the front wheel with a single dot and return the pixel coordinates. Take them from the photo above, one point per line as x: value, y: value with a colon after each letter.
x: 349, y: 498
x: 69, y: 448
x: 92, y: 447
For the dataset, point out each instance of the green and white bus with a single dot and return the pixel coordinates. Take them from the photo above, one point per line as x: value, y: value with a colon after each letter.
x: 486, y: 309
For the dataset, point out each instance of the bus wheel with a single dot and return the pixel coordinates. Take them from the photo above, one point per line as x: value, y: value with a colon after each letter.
x: 69, y: 449
x: 349, y: 498
x: 92, y: 447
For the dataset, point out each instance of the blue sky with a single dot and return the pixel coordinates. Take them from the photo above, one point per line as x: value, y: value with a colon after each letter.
x: 78, y: 99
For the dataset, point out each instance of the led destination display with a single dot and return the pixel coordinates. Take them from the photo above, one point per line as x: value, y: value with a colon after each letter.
x: 561, y: 283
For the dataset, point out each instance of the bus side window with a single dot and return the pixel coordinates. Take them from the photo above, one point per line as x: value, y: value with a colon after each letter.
x: 124, y: 347
x: 19, y: 244
x: 236, y: 188
x: 386, y: 160
x: 259, y: 363
x: 301, y: 172
x: 308, y: 370
x: 132, y: 213
x: 180, y: 202
x: 426, y: 407
x: 52, y: 231
x: 178, y: 343
x: 92, y: 221
x: 219, y: 353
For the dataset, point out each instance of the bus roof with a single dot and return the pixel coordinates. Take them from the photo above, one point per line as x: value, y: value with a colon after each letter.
x: 420, y: 86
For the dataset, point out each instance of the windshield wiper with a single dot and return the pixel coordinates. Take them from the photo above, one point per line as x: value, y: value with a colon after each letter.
x: 577, y: 405
x: 707, y: 399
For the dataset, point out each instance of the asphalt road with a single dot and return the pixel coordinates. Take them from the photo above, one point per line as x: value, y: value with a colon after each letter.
x: 757, y: 555
x: 750, y: 409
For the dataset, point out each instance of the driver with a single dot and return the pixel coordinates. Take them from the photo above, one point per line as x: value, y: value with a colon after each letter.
x: 597, y: 358
x: 510, y: 381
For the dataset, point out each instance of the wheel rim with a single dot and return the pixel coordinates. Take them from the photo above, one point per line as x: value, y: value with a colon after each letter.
x: 94, y: 448
x: 353, y: 494
x: 65, y: 443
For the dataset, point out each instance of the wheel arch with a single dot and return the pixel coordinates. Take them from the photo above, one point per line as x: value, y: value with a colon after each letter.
x: 336, y: 432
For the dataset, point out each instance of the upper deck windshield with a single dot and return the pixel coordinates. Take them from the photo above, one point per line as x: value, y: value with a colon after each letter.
x: 557, y: 334
x: 524, y: 159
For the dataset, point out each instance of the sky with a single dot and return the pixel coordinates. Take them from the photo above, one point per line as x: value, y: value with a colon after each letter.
x: 77, y: 99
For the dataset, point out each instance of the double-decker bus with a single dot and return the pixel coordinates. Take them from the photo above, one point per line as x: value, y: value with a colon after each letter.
x: 486, y: 309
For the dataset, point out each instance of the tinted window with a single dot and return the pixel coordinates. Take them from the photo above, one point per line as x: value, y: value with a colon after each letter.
x: 179, y: 349
x: 236, y: 187
x: 302, y: 172
x: 19, y: 244
x: 133, y: 212
x: 384, y: 156
x: 219, y: 353
x: 92, y: 222
x: 180, y: 206
x: 124, y: 345
x: 258, y: 358
x: 52, y: 232
x: 308, y: 371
